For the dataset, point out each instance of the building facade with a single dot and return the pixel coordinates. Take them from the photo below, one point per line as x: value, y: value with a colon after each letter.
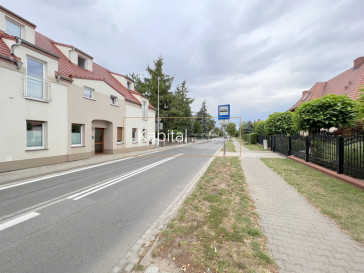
x: 58, y: 105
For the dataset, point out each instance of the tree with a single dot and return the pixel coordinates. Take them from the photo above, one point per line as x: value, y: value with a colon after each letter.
x: 247, y: 127
x: 325, y: 112
x: 231, y: 129
x: 181, y: 107
x: 205, y: 120
x: 148, y: 86
x: 197, y: 128
x: 259, y: 128
x: 361, y: 103
x: 280, y: 123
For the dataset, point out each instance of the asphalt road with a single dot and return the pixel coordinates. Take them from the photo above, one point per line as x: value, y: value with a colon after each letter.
x: 86, y: 221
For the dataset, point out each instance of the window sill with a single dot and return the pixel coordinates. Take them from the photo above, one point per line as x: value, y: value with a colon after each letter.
x: 77, y: 146
x: 89, y: 98
x: 35, y: 149
x: 36, y: 99
x: 134, y: 142
x: 114, y: 105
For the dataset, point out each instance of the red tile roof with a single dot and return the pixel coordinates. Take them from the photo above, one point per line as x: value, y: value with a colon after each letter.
x: 71, y: 70
x: 346, y: 83
x: 4, y: 49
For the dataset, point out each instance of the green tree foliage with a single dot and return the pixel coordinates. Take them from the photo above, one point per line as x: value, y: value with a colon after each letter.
x: 246, y: 127
x: 259, y: 128
x: 361, y: 103
x: 197, y: 128
x: 280, y: 123
x: 231, y: 129
x: 171, y: 104
x: 325, y: 112
x: 205, y: 120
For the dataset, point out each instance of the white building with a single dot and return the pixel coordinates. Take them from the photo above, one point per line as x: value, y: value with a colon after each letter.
x: 58, y: 105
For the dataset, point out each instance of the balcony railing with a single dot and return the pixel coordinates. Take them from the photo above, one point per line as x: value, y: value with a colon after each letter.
x: 37, y: 89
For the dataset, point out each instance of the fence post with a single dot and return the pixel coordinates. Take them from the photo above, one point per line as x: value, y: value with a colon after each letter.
x: 274, y: 144
x: 340, y: 154
x: 289, y: 145
x: 307, y: 149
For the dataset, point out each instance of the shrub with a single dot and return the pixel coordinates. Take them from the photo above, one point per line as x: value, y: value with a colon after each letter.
x: 325, y: 112
x: 252, y: 138
x: 280, y: 123
x: 259, y: 128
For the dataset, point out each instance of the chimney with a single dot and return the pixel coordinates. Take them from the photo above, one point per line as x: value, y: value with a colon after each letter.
x: 358, y: 62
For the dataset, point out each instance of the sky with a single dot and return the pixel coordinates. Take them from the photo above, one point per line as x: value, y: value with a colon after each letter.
x: 256, y: 55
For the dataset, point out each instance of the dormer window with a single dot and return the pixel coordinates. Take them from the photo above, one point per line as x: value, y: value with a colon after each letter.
x: 81, y: 62
x: 129, y: 85
x: 13, y: 28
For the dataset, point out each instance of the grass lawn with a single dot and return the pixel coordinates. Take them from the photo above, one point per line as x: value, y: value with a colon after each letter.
x: 340, y: 201
x: 229, y: 146
x: 217, y: 228
x: 253, y: 147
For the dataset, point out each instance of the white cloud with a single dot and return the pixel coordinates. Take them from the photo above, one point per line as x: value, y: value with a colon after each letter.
x: 256, y: 55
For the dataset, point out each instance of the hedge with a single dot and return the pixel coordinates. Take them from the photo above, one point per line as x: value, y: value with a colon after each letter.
x: 251, y: 138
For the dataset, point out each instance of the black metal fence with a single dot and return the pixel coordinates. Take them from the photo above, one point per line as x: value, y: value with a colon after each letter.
x: 341, y: 154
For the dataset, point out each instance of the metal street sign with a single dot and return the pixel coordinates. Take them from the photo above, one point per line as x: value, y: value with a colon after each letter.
x: 223, y: 122
x: 224, y: 111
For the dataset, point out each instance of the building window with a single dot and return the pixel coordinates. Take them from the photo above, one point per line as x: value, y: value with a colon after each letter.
x: 35, y: 135
x: 144, y: 135
x: 144, y: 110
x: 113, y: 100
x: 13, y: 28
x: 34, y: 80
x: 88, y: 93
x: 119, y: 137
x: 81, y: 62
x: 77, y: 134
x: 129, y: 85
x: 133, y: 135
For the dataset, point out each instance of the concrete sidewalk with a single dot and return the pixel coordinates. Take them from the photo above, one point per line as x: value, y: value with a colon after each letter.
x: 299, y: 237
x: 24, y: 174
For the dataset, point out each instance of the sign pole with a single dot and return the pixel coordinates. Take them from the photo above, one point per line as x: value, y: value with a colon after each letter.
x: 224, y: 116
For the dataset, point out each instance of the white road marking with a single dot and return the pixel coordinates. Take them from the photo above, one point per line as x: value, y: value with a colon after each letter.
x: 113, y: 181
x: 18, y: 220
x: 73, y: 171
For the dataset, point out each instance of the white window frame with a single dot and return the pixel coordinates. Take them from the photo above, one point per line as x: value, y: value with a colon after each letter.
x: 135, y: 139
x: 92, y: 92
x: 122, y: 135
x: 82, y: 133
x: 116, y: 100
x: 15, y: 23
x: 43, y: 137
x: 144, y: 110
x: 45, y: 84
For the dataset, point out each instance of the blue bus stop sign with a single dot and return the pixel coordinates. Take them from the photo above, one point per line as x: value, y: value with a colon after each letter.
x: 224, y: 111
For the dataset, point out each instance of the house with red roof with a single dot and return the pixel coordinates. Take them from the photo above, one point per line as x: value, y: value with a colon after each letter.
x: 58, y: 105
x: 347, y: 83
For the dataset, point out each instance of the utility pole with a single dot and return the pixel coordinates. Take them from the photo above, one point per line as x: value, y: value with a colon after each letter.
x: 157, y: 143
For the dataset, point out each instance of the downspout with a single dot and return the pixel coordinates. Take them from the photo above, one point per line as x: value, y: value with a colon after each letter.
x: 69, y: 53
x: 18, y: 42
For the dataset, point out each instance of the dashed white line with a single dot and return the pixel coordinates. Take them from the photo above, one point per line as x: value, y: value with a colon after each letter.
x: 73, y: 171
x: 113, y: 181
x: 18, y: 220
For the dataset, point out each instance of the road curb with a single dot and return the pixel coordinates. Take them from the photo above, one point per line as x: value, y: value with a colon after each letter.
x: 145, y: 243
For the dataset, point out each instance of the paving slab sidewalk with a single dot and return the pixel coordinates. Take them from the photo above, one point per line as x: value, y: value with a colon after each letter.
x: 300, y: 238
